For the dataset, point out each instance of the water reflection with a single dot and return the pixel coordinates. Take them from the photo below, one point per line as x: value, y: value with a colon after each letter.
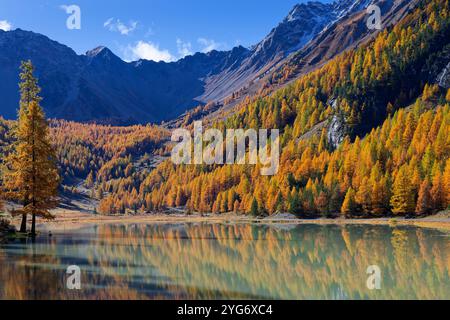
x: 239, y: 261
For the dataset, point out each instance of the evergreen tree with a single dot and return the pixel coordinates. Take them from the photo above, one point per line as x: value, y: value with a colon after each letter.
x: 254, y: 210
x: 31, y: 176
x: 294, y: 202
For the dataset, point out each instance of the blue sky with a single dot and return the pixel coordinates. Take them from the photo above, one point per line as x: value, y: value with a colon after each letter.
x: 151, y: 29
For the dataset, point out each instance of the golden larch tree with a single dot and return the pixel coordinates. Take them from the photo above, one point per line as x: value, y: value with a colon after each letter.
x: 446, y: 179
x: 424, y: 202
x: 437, y: 191
x: 349, y: 205
x: 402, y: 200
x: 31, y: 175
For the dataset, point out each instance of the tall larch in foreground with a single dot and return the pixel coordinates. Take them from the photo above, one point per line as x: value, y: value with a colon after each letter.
x: 31, y: 176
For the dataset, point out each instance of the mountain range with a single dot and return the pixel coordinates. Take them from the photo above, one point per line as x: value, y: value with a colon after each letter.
x: 100, y: 87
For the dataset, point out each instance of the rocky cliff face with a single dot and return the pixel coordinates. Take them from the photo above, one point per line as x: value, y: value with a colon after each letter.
x: 347, y: 31
x: 443, y: 78
x: 301, y: 26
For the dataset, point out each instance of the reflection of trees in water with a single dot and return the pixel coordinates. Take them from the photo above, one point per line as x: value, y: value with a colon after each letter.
x: 38, y: 273
x: 22, y: 278
x: 246, y: 261
x: 307, y: 262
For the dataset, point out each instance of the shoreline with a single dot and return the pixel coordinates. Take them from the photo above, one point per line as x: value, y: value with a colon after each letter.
x: 76, y: 220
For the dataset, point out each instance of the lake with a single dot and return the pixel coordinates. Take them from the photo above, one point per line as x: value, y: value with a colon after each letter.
x: 230, y: 261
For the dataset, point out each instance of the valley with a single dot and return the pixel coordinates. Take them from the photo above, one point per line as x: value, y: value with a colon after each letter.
x: 96, y: 202
x: 341, y: 123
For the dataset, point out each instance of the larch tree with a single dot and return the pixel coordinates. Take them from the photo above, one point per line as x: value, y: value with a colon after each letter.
x: 236, y: 206
x: 402, y: 200
x: 31, y: 175
x: 437, y: 191
x: 349, y: 205
x: 424, y: 202
x: 446, y: 179
x: 90, y: 180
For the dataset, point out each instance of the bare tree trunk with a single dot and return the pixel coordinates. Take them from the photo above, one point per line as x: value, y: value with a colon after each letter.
x: 23, y: 225
x: 33, y: 225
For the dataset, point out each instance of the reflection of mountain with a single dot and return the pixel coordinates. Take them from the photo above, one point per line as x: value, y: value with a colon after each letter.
x: 235, y: 261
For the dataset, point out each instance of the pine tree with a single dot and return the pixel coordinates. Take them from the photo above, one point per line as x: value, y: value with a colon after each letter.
x: 31, y: 176
x: 254, y: 210
x: 294, y: 202
x: 402, y: 200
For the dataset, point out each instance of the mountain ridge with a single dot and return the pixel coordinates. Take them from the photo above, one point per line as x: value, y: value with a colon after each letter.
x: 98, y: 86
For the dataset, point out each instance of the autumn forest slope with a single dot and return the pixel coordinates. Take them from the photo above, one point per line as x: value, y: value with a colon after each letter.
x: 366, y: 134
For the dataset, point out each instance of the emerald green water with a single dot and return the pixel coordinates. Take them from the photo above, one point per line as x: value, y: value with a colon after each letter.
x: 230, y: 261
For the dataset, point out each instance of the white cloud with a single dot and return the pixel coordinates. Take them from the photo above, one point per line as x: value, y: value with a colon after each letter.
x: 108, y: 23
x: 114, y: 25
x: 147, y: 51
x: 5, y: 25
x: 209, y: 45
x: 184, y: 48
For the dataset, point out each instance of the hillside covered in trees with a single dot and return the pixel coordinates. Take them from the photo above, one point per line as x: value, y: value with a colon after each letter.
x: 100, y: 158
x: 348, y: 146
x: 366, y: 134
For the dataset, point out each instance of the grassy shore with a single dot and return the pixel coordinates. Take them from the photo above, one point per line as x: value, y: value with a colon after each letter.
x: 70, y: 220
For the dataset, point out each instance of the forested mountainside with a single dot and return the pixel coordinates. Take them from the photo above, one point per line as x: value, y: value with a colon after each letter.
x: 387, y: 160
x: 367, y: 133
x: 91, y: 156
x: 348, y: 32
x: 99, y: 87
x: 84, y: 149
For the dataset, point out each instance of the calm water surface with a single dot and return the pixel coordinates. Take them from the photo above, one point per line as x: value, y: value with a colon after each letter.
x: 229, y: 261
